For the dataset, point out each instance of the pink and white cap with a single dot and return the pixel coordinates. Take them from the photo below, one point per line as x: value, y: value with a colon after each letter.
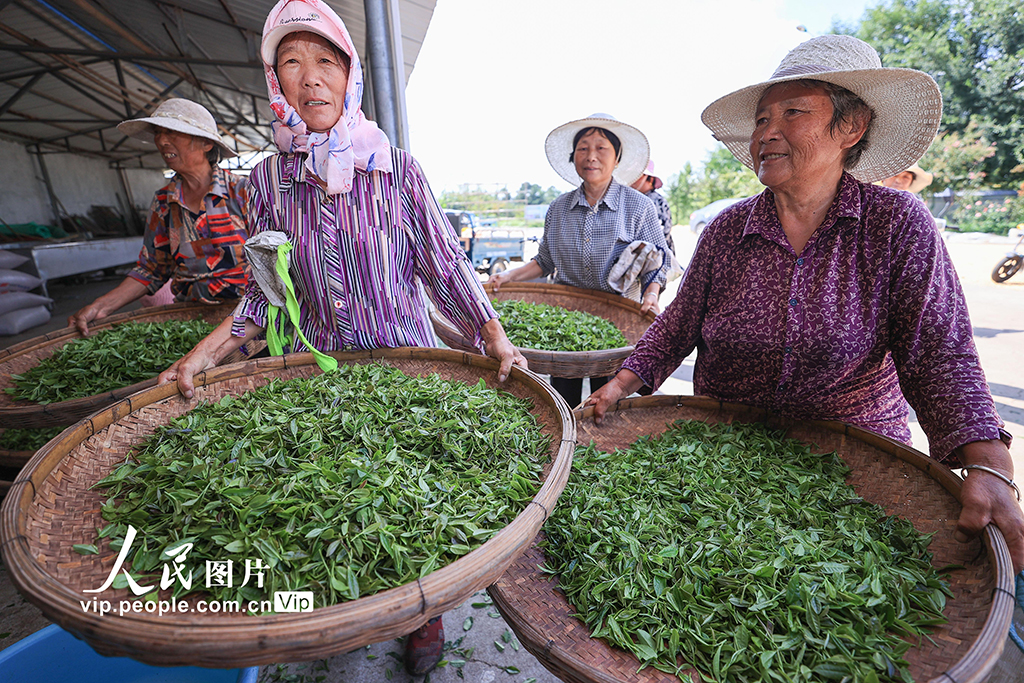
x: 298, y: 15
x: 354, y: 142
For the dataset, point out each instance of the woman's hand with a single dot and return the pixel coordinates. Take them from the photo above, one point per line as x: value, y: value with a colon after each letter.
x: 85, y: 315
x: 650, y: 303
x: 207, y: 353
x: 183, y: 369
x: 987, y: 498
x: 497, y: 346
x: 621, y: 385
x: 498, y: 279
x: 128, y: 291
x: 530, y: 271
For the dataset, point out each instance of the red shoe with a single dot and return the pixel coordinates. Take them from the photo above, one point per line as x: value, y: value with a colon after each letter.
x: 424, y: 648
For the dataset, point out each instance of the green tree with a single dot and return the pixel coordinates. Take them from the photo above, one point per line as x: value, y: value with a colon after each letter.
x: 534, y: 194
x: 975, y: 51
x: 721, y: 177
x: 956, y: 160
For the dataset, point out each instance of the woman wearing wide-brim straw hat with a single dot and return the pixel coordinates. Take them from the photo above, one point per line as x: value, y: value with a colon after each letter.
x: 913, y: 179
x: 829, y: 297
x: 587, y: 230
x: 197, y: 224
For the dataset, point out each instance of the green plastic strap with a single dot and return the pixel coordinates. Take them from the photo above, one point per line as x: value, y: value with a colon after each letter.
x: 275, y: 336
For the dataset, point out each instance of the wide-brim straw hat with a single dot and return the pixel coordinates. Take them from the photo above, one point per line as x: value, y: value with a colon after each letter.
x: 181, y: 115
x: 635, y: 149
x: 922, y: 179
x: 907, y: 103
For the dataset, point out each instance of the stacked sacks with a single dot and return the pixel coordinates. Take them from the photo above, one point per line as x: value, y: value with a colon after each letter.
x: 19, y: 308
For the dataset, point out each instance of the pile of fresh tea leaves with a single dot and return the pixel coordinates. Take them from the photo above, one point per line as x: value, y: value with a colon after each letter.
x: 27, y: 439
x: 552, y: 328
x: 345, y: 484
x: 743, y: 554
x: 112, y: 358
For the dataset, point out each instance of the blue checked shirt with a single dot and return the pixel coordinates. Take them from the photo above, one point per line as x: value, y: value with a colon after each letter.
x: 583, y: 243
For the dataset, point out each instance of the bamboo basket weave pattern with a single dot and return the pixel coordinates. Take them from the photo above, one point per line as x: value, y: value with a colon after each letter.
x: 51, y: 508
x: 26, y: 355
x: 903, y: 481
x: 622, y: 312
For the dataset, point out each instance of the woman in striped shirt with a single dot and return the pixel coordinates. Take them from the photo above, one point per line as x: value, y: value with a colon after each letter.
x: 364, y: 226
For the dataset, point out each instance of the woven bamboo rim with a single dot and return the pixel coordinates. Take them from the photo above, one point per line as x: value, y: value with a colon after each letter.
x: 26, y: 355
x: 50, y: 508
x: 904, y: 481
x: 622, y: 312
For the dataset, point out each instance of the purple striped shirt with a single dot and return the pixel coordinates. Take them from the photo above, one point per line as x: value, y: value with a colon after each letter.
x: 358, y: 257
x: 870, y: 311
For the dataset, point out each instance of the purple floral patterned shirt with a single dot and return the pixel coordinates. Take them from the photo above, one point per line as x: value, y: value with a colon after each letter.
x: 870, y: 311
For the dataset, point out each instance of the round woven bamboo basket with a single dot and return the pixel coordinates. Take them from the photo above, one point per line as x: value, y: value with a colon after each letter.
x: 26, y: 355
x: 622, y: 312
x: 51, y: 507
x: 905, y: 482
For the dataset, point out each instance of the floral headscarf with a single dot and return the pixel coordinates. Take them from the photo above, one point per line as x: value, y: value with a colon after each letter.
x: 355, y: 141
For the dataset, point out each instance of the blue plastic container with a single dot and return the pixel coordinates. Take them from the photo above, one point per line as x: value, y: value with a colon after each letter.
x: 53, y: 655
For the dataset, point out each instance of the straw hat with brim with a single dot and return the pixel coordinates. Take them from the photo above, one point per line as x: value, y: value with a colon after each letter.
x: 922, y: 179
x: 635, y: 148
x: 183, y: 116
x: 907, y: 103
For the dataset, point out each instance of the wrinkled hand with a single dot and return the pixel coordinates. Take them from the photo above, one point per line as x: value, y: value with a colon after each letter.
x: 185, y: 368
x: 81, y: 319
x: 508, y: 355
x: 986, y: 498
x: 498, y: 279
x: 650, y: 303
x: 606, y: 397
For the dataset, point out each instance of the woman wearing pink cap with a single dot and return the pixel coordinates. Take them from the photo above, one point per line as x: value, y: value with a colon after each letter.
x: 364, y: 227
x: 648, y: 185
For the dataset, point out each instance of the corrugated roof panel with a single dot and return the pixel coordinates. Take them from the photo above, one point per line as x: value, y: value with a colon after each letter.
x: 87, y: 98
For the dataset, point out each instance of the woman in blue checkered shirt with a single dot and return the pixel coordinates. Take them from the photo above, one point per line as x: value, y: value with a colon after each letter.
x: 587, y: 230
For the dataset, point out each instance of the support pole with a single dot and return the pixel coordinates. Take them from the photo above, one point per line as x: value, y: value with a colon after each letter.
x: 49, y: 188
x: 387, y: 68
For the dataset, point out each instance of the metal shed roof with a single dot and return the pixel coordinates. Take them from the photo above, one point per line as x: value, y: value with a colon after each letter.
x: 71, y: 70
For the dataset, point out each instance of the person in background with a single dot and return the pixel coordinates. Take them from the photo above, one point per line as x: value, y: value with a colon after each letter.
x: 913, y: 180
x: 365, y: 229
x: 587, y: 230
x: 827, y: 297
x: 197, y: 225
x: 648, y: 185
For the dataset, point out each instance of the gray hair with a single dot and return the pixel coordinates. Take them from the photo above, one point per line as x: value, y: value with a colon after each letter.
x: 847, y: 110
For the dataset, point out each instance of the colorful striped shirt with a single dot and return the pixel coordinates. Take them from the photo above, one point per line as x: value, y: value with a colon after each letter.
x: 582, y: 243
x: 201, y: 254
x: 358, y: 258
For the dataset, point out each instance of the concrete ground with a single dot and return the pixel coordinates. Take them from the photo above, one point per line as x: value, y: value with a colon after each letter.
x: 481, y: 646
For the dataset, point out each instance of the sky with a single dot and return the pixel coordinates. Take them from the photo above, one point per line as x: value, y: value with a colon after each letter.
x: 494, y: 78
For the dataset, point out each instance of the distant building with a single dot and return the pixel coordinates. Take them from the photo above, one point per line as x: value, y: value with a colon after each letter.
x: 535, y: 212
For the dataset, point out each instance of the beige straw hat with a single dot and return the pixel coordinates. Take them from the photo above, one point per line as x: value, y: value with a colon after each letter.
x: 907, y: 103
x: 922, y: 179
x: 635, y: 148
x: 184, y: 116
